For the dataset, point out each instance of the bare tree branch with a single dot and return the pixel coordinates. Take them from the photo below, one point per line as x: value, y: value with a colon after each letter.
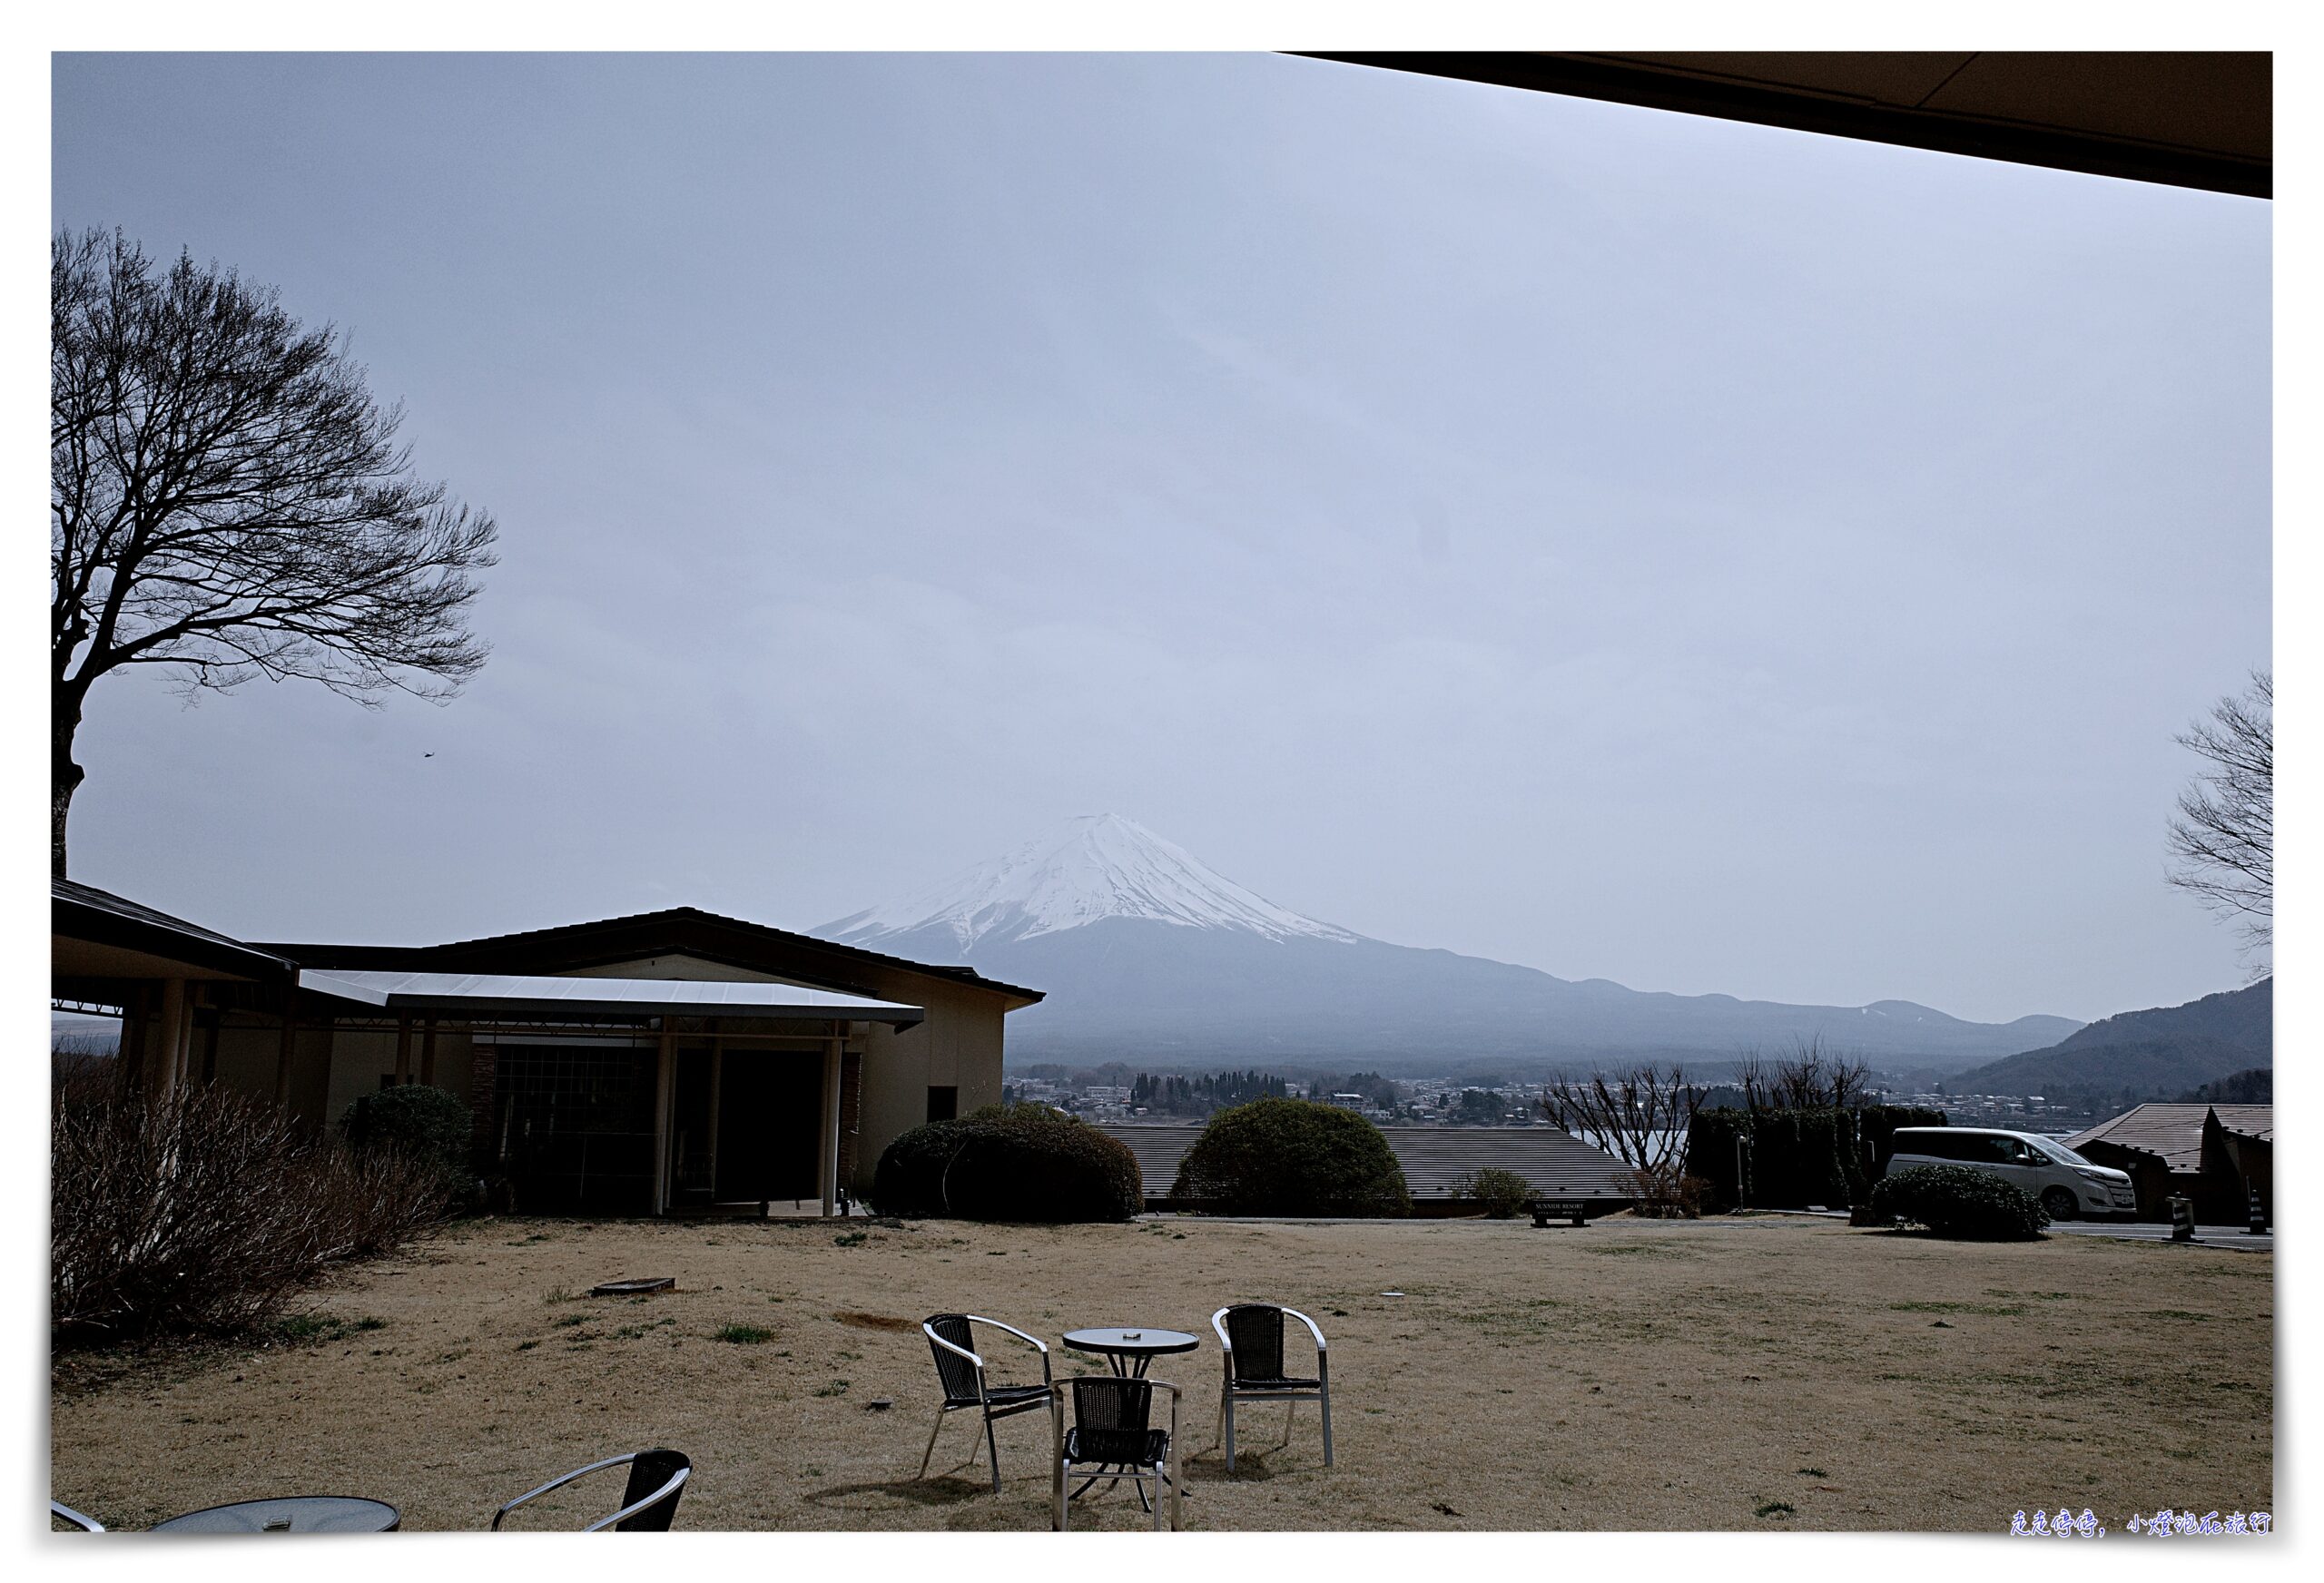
x: 1640, y: 1116
x: 1813, y: 1076
x: 226, y: 499
x: 2222, y: 842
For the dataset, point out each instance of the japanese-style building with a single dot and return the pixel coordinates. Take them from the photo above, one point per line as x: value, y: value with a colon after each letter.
x: 672, y: 1061
x: 2218, y: 1155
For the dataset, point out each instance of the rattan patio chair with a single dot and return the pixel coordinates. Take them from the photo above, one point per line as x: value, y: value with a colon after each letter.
x: 657, y: 1478
x: 82, y: 1520
x: 961, y: 1369
x: 1250, y: 1339
x: 1112, y: 1432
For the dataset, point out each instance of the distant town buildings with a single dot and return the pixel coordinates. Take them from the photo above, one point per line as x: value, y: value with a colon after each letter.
x: 1151, y: 1099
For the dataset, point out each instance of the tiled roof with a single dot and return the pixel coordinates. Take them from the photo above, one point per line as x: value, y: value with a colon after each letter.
x: 2174, y: 1132
x: 1435, y: 1158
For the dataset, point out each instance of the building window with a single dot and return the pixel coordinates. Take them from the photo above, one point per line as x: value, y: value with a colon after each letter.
x: 944, y: 1103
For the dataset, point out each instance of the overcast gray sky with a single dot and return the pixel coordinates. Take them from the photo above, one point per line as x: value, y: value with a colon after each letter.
x: 1701, y: 556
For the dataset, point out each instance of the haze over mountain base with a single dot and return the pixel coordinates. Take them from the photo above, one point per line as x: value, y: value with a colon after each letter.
x: 1147, y: 954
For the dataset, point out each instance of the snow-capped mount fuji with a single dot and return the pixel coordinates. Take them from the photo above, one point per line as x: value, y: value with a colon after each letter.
x: 1147, y: 953
x: 1100, y: 865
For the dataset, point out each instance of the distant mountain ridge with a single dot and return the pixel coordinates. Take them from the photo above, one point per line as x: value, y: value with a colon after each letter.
x: 1147, y: 953
x: 2154, y: 1053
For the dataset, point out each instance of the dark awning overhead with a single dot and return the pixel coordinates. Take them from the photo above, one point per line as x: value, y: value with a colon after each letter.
x: 2200, y: 119
x: 94, y: 936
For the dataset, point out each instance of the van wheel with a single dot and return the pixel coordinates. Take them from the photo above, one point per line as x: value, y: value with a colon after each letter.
x: 2059, y: 1202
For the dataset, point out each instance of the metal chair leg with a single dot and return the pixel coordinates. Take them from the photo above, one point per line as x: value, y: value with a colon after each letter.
x: 1057, y: 1523
x: 1156, y: 1471
x: 1327, y: 1426
x: 1228, y: 1407
x: 994, y: 1446
x: 1177, y: 1515
x: 931, y: 1452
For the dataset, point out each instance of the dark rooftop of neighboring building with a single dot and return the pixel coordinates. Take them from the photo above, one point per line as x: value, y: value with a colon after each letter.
x: 2174, y: 1132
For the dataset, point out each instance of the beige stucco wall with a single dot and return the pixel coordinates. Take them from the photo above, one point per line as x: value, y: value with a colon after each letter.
x: 330, y: 1068
x: 959, y: 1045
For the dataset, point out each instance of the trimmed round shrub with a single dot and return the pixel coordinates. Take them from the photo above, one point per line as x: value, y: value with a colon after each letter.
x: 1502, y: 1194
x: 1021, y: 1163
x: 422, y: 1123
x: 1953, y: 1201
x: 1292, y: 1156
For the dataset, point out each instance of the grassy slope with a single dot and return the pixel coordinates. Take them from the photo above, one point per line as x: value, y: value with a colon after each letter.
x: 1653, y: 1375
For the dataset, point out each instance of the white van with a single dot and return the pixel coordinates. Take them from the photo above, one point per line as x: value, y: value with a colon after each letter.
x: 2068, y: 1185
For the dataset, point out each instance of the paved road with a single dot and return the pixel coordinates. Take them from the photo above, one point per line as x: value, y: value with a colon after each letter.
x: 2207, y: 1236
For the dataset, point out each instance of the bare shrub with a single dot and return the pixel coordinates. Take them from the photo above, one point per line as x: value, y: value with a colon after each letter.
x: 1813, y: 1076
x: 1639, y: 1116
x: 205, y: 1211
x: 1665, y: 1192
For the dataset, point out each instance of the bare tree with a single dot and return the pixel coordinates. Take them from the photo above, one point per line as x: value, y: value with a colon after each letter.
x: 226, y: 499
x: 2222, y: 843
x: 1640, y: 1116
x: 1812, y: 1075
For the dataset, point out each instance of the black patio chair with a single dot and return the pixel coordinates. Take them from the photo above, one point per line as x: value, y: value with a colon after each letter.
x: 657, y: 1478
x: 1250, y: 1339
x: 85, y: 1523
x: 1112, y: 1432
x: 961, y: 1369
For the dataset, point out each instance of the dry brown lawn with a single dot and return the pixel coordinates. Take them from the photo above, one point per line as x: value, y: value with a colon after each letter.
x: 1767, y: 1372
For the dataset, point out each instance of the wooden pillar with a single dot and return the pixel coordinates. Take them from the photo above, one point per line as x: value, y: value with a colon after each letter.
x: 665, y: 1068
x: 161, y: 1056
x: 136, y: 1007
x: 210, y: 1044
x: 403, y: 1050
x: 181, y: 1067
x: 717, y: 1071
x: 427, y: 1053
x: 288, y: 1045
x: 828, y: 1166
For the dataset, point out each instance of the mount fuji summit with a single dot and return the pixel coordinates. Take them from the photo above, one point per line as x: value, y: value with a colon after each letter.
x: 1148, y: 954
x: 1097, y: 867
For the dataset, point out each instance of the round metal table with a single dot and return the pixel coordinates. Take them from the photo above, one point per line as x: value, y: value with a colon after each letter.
x: 1131, y: 1351
x: 290, y: 1514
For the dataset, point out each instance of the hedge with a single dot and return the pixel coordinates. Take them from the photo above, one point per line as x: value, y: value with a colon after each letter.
x: 1023, y: 1163
x: 1953, y: 1201
x: 1711, y: 1138
x: 1794, y: 1158
x: 1800, y: 1157
x: 1877, y: 1124
x: 1292, y: 1156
